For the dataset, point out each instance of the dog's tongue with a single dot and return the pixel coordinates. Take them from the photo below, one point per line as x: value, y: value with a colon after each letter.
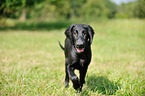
x: 80, y: 50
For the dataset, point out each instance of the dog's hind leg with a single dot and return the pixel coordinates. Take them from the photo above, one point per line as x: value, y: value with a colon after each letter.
x: 66, y: 77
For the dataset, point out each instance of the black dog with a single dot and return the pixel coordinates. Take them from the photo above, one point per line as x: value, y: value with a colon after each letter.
x: 77, y: 53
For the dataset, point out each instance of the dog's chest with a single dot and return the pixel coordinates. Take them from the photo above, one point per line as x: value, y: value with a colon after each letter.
x: 82, y: 62
x: 79, y: 63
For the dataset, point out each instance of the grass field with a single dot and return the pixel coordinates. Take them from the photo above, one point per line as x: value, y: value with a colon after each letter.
x: 32, y: 63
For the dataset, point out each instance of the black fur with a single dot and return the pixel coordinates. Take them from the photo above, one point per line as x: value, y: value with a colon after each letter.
x: 77, y: 53
x: 61, y: 46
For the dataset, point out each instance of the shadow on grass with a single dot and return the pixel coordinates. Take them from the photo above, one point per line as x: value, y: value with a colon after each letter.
x: 33, y: 26
x: 102, y: 85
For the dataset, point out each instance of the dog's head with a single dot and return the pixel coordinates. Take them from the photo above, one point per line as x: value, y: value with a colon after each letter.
x: 81, y: 35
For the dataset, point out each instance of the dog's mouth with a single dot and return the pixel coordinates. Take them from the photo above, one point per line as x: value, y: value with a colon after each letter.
x: 79, y: 50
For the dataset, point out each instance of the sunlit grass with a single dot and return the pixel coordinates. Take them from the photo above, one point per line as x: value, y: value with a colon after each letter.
x: 32, y: 63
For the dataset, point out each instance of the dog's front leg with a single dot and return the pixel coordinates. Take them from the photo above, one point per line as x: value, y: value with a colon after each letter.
x: 73, y: 77
x: 82, y: 77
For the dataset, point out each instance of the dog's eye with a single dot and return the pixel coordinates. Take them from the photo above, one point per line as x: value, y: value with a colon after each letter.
x: 84, y: 33
x: 76, y: 32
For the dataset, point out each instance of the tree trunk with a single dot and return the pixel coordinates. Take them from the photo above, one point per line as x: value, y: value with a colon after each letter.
x: 23, y: 15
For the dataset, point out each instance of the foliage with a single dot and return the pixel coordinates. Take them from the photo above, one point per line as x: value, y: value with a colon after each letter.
x: 131, y: 10
x: 98, y: 8
x: 140, y: 9
x: 60, y: 8
x: 13, y: 8
x: 44, y: 9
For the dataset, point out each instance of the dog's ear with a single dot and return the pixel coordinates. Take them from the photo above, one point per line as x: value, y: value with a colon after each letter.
x: 68, y: 32
x: 91, y: 34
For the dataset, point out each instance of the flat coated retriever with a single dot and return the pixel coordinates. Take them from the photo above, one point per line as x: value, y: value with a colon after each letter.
x: 77, y: 53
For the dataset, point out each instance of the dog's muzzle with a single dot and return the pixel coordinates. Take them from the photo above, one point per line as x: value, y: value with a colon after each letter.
x: 80, y: 48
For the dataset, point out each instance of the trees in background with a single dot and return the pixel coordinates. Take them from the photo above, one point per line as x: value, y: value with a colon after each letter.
x: 140, y: 9
x: 70, y: 8
x: 98, y: 8
x: 17, y: 8
x: 131, y: 10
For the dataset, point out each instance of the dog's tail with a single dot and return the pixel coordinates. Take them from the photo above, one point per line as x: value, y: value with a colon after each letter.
x: 61, y: 45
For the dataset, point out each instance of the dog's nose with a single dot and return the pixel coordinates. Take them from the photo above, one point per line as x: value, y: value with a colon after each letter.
x: 80, y: 46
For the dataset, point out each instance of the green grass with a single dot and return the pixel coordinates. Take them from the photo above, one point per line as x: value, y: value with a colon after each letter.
x: 32, y: 63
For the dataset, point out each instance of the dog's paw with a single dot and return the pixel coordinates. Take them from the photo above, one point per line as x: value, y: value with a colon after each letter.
x: 78, y: 91
x: 67, y: 85
x: 76, y: 86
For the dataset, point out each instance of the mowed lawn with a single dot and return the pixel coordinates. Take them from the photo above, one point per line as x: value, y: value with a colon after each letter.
x: 32, y: 63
